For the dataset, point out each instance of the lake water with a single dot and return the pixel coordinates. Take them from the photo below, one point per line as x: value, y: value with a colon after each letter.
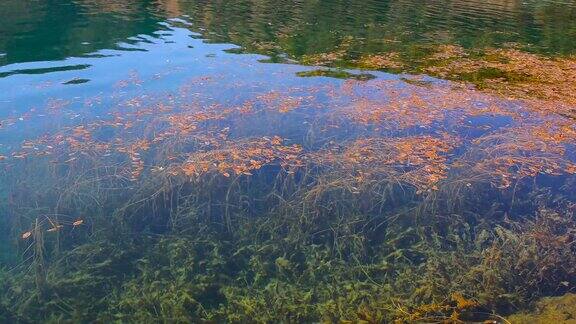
x: 285, y: 161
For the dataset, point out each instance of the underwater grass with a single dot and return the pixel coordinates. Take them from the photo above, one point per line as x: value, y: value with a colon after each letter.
x: 386, y: 203
x: 320, y: 247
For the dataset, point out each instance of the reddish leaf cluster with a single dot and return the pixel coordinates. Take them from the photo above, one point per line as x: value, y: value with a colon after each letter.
x: 242, y: 158
x: 420, y: 161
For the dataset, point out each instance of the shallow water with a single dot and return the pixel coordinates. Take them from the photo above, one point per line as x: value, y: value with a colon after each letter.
x: 235, y: 161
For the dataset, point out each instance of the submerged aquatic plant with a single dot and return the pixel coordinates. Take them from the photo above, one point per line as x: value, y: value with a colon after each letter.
x: 359, y: 201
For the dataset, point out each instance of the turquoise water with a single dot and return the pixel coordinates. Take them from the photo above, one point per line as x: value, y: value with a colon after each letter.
x: 285, y: 161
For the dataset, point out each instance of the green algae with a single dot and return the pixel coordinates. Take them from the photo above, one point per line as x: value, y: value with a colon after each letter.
x: 549, y: 310
x: 338, y: 74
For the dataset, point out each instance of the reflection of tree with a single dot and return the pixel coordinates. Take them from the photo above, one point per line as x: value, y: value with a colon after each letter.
x: 106, y: 6
x: 171, y: 7
x: 53, y: 30
x: 306, y: 27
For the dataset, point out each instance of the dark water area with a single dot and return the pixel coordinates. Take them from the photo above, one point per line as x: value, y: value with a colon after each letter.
x: 285, y: 161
